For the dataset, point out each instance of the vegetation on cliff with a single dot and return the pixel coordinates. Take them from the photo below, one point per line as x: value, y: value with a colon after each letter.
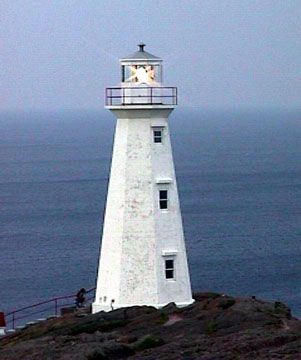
x: 216, y: 326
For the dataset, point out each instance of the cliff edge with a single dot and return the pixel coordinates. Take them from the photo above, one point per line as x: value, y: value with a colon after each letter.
x: 216, y: 326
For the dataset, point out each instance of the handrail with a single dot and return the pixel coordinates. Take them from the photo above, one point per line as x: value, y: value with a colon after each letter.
x: 56, y: 307
x: 141, y: 95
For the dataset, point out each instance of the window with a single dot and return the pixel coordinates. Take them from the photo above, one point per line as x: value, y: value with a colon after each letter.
x: 141, y: 73
x: 163, y: 199
x: 169, y: 269
x: 126, y: 73
x: 158, y: 135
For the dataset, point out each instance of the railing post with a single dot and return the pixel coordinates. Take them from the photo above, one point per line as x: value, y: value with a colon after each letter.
x: 151, y: 95
x: 13, y: 320
x: 55, y: 302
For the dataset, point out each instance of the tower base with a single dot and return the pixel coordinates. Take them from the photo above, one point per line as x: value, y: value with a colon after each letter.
x: 101, y: 307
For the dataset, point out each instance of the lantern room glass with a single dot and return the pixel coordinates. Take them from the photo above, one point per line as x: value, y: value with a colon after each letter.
x: 141, y: 73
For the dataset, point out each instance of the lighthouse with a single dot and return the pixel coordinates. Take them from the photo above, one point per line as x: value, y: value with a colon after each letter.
x: 143, y: 257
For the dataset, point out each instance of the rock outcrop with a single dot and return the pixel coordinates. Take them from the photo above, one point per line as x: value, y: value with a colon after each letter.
x: 216, y: 326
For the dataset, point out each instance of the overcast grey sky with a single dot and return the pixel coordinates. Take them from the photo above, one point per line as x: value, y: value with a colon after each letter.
x: 60, y: 54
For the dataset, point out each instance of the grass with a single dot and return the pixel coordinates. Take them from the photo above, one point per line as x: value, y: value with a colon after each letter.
x: 97, y: 355
x: 163, y: 317
x: 210, y: 328
x: 91, y: 327
x: 149, y: 342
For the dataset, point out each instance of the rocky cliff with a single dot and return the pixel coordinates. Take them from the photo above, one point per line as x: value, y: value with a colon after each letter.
x: 216, y: 326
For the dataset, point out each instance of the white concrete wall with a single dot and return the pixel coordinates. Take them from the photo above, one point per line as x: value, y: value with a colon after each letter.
x: 136, y: 232
x: 168, y: 226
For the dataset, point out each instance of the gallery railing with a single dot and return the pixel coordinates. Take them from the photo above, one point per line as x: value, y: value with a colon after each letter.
x: 117, y: 96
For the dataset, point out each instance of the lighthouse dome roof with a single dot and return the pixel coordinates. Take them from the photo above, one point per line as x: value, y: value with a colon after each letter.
x: 140, y: 55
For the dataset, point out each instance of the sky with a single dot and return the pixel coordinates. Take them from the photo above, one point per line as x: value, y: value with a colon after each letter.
x: 61, y: 54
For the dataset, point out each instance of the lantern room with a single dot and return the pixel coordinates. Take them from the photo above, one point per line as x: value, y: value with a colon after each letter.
x: 141, y: 83
x: 141, y: 67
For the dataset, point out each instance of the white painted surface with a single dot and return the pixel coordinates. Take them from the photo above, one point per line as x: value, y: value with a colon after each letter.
x: 137, y: 235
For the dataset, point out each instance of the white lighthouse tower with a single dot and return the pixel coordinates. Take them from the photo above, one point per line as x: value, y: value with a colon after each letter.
x: 143, y: 257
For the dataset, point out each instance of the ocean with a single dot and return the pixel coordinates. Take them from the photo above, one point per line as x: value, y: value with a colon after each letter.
x: 239, y: 179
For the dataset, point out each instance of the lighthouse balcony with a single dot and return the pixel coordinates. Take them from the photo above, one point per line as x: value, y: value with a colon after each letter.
x: 149, y: 96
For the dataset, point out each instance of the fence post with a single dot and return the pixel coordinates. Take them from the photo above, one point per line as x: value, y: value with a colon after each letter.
x: 2, y: 324
x: 55, y: 301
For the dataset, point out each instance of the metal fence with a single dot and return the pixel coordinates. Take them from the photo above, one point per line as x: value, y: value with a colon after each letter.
x: 141, y: 96
x: 43, y: 308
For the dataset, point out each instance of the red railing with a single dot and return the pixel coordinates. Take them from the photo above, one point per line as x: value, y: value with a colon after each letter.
x: 56, y: 304
x: 141, y: 96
